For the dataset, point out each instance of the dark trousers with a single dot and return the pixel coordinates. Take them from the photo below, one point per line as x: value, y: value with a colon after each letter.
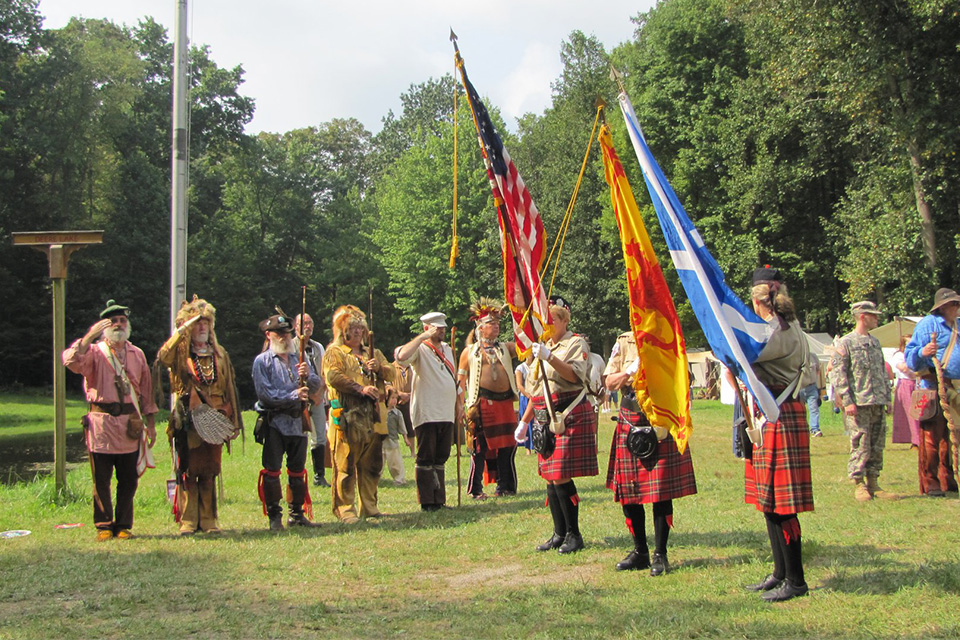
x: 934, y: 456
x: 506, y: 469
x: 434, y: 440
x: 276, y: 445
x: 103, y: 466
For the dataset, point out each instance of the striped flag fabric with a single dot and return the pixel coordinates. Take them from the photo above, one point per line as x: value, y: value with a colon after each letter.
x: 662, y: 381
x: 736, y: 334
x: 522, y: 240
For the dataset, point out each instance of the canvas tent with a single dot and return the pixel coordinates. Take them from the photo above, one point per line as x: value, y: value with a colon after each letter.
x: 889, y: 334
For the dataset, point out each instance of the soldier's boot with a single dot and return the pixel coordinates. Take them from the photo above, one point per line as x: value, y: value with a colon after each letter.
x: 208, y: 506
x: 862, y: 493
x: 297, y: 494
x: 189, y: 508
x: 877, y: 492
x: 270, y: 494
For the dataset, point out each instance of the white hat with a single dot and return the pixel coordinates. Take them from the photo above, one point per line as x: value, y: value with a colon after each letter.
x: 434, y: 318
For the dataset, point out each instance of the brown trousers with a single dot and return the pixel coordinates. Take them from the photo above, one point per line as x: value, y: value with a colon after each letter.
x: 935, y: 455
x: 357, y: 466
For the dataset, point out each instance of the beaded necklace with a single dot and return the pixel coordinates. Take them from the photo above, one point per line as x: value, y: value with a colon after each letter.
x: 203, y: 370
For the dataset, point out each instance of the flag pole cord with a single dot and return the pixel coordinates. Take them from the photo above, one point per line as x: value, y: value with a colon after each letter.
x: 568, y: 215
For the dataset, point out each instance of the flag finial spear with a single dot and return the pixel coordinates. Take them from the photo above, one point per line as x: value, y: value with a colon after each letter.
x: 617, y: 77
x: 453, y: 39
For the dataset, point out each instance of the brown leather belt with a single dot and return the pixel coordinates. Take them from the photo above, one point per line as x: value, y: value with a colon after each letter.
x: 113, y: 408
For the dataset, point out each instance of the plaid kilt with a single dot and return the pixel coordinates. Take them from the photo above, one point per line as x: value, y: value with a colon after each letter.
x: 576, y: 452
x: 777, y: 475
x: 498, y: 419
x: 667, y: 476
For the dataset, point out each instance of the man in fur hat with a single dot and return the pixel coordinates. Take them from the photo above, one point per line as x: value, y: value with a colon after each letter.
x: 284, y: 386
x: 486, y: 372
x: 200, y: 374
x: 359, y: 383
x: 118, y: 388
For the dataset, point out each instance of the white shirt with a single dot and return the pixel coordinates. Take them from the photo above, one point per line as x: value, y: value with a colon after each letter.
x: 433, y: 393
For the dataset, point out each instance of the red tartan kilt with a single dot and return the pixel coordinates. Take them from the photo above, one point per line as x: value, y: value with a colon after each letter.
x: 498, y: 420
x: 668, y: 476
x: 777, y: 479
x: 576, y: 452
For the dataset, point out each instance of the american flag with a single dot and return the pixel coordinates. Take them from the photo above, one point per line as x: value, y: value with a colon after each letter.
x: 522, y: 240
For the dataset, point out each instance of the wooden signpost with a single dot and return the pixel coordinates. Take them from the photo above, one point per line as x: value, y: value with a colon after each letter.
x: 58, y: 246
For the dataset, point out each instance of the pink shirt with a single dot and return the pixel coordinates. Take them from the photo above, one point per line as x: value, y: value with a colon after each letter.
x: 106, y: 433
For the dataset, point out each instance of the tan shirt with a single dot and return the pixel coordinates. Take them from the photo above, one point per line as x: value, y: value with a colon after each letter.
x: 785, y: 353
x: 433, y: 392
x: 573, y: 350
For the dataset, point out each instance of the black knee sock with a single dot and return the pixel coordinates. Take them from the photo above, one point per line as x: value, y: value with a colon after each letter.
x: 662, y: 512
x: 569, y: 503
x: 635, y: 517
x: 777, y: 546
x: 553, y: 501
x: 792, y: 547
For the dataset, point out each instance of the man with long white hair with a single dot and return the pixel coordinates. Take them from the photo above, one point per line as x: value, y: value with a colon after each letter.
x: 118, y: 388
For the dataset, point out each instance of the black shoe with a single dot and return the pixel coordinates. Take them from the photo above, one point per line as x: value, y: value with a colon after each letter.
x: 297, y: 519
x: 936, y: 493
x: 768, y: 583
x: 320, y: 482
x: 553, y: 543
x: 430, y: 507
x: 571, y: 544
x: 659, y: 564
x: 634, y: 560
x: 276, y: 522
x: 786, y: 591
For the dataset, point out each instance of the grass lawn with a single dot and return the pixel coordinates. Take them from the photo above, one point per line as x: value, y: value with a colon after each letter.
x: 877, y: 570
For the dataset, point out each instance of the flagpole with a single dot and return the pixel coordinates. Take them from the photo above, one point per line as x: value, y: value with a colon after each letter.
x: 180, y: 168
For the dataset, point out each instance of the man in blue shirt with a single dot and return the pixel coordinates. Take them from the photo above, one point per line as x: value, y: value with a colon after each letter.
x: 936, y: 335
x: 277, y: 375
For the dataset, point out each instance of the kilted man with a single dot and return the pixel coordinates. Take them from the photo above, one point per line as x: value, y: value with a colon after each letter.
x: 118, y: 387
x: 281, y: 401
x: 433, y: 406
x: 658, y: 479
x: 202, y: 380
x: 486, y: 372
x: 314, y: 351
x: 935, y: 336
x: 777, y: 469
x: 563, y: 363
x: 358, y: 382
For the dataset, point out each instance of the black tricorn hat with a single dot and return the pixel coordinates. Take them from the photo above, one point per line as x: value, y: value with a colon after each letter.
x: 114, y: 309
x: 277, y: 323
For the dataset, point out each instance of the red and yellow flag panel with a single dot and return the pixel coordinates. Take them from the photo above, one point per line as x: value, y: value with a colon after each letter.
x: 662, y: 382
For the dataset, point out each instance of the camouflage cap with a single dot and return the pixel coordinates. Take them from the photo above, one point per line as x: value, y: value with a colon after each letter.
x: 865, y: 306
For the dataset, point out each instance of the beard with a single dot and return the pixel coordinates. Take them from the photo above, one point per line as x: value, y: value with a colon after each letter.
x: 117, y: 335
x: 201, y: 337
x: 280, y: 345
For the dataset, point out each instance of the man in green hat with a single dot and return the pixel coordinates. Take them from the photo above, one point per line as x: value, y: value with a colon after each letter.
x: 118, y: 388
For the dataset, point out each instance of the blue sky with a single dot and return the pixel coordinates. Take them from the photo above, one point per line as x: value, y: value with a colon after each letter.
x: 308, y: 61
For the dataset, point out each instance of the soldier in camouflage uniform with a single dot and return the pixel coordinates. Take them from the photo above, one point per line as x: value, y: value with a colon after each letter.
x: 860, y: 379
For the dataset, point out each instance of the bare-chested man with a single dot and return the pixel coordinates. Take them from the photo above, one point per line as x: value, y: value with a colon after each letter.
x: 486, y: 372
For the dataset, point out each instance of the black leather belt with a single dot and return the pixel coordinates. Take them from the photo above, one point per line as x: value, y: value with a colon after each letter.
x: 113, y: 408
x: 496, y: 395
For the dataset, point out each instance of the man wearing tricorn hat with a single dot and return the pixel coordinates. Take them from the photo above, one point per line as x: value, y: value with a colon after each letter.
x: 280, y: 399
x: 935, y: 336
x: 118, y: 388
x: 860, y: 379
x: 432, y: 406
x: 206, y: 412
x: 486, y: 371
x: 358, y: 383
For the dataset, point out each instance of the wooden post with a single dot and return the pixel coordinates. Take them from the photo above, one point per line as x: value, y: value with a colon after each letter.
x: 58, y: 246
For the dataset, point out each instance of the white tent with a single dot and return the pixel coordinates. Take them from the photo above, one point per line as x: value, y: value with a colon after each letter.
x: 889, y: 334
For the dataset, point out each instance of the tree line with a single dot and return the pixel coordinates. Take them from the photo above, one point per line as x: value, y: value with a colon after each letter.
x: 820, y: 138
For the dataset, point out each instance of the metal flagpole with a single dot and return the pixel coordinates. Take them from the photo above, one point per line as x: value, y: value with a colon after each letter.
x: 180, y: 166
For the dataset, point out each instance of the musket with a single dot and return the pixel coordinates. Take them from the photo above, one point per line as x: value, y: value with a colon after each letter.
x: 457, y: 425
x: 306, y: 421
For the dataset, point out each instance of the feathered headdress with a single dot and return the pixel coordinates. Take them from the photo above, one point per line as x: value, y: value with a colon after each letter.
x: 486, y: 310
x: 344, y: 317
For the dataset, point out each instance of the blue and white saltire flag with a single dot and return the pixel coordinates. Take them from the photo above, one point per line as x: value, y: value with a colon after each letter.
x: 736, y: 334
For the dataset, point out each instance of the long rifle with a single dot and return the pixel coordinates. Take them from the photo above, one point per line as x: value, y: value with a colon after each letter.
x: 306, y: 420
x: 457, y: 425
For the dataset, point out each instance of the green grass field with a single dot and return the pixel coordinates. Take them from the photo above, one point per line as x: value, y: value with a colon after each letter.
x: 877, y: 570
